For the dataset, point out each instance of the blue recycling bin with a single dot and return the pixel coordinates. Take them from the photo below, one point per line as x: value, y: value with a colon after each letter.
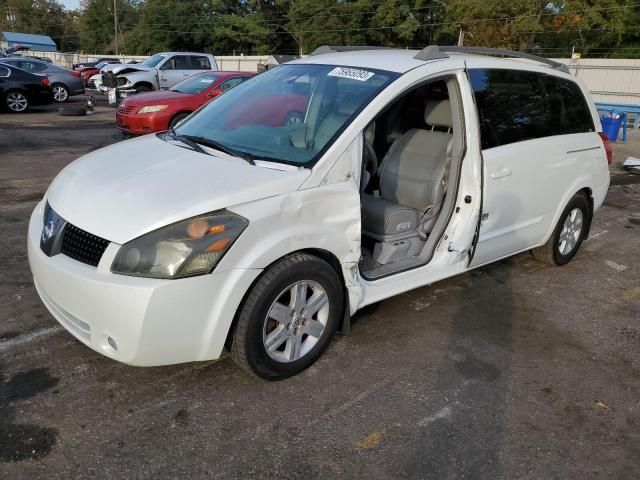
x: 610, y: 125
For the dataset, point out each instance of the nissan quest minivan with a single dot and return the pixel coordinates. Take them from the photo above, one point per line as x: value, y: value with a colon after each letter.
x: 236, y: 230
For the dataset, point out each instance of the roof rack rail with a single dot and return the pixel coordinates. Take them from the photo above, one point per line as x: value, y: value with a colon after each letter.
x: 434, y: 52
x: 342, y: 48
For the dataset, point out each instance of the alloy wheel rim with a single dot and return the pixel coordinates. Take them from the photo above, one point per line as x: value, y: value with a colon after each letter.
x: 571, y: 230
x: 295, y: 321
x: 17, y: 102
x: 59, y: 94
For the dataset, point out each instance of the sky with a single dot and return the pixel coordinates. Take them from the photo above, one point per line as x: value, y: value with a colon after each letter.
x: 71, y: 4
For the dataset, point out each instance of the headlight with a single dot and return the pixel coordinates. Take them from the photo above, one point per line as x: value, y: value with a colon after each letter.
x: 183, y: 249
x: 152, y: 108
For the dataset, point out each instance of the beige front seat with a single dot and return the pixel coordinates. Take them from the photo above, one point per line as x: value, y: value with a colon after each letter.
x: 412, y: 180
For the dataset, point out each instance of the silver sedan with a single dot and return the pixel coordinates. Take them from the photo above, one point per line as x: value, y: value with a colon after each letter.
x: 64, y: 82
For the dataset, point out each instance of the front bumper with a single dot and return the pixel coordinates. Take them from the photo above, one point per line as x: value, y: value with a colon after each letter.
x: 153, y: 322
x: 142, y: 124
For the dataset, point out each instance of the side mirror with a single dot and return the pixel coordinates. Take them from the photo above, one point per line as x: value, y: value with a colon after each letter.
x: 215, y: 92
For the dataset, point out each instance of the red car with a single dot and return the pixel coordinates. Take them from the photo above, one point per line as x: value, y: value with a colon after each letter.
x: 160, y: 110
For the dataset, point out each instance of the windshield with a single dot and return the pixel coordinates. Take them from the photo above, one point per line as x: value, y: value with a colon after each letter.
x: 153, y: 60
x: 288, y: 114
x: 195, y: 84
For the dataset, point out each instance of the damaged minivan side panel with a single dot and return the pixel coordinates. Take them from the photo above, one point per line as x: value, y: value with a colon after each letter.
x: 288, y: 223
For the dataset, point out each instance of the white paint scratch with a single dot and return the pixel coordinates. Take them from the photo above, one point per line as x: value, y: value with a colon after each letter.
x: 440, y: 414
x: 598, y: 234
x: 618, y: 267
x: 29, y: 337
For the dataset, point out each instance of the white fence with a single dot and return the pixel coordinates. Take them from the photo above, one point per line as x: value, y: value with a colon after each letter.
x: 609, y: 80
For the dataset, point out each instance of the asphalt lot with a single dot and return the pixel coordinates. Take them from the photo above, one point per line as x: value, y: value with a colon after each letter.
x: 513, y: 371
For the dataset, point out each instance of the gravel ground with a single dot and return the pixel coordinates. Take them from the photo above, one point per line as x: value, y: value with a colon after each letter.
x: 515, y: 370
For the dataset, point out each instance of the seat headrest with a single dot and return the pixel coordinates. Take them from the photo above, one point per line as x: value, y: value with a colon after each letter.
x: 438, y: 113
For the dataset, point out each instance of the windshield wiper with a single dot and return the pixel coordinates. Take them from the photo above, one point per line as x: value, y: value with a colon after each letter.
x: 187, y: 141
x: 207, y: 142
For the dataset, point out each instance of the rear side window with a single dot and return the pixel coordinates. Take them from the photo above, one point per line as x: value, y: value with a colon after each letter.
x: 516, y: 105
x: 32, y: 66
x: 200, y: 63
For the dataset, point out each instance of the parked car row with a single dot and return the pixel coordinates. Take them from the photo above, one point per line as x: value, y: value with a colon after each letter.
x: 64, y: 82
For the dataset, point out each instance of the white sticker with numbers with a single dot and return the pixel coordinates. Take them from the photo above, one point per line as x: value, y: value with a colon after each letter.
x: 351, y: 73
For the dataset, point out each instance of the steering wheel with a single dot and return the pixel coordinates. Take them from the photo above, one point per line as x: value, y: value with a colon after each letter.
x: 369, y: 164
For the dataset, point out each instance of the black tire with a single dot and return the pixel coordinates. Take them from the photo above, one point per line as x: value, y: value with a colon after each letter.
x: 72, y: 111
x: 14, y: 99
x: 177, y: 119
x: 550, y: 252
x: 60, y: 93
x: 248, y: 345
x: 143, y: 88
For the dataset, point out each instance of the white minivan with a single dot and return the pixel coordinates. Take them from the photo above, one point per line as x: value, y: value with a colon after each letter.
x: 242, y: 229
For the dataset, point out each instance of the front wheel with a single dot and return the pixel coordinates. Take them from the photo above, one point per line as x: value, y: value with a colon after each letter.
x: 177, y: 119
x: 568, y: 235
x: 142, y: 89
x: 288, y: 318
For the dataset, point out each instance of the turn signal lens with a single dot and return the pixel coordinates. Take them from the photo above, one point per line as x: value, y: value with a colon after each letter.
x: 218, y: 245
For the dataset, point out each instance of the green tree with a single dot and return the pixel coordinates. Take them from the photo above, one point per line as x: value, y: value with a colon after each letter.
x: 96, y: 28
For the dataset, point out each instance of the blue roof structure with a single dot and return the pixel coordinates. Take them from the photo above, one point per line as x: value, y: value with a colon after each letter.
x: 41, y: 43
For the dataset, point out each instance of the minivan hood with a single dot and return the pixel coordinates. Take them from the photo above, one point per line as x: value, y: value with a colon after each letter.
x: 133, y: 187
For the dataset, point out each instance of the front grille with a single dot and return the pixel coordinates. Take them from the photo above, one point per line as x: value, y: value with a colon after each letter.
x: 47, y: 212
x: 124, y: 108
x: 82, y: 246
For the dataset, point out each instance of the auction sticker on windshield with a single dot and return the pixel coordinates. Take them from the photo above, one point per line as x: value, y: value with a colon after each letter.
x: 351, y: 73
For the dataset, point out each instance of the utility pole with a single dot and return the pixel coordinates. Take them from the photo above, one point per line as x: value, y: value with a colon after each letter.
x: 461, y: 38
x: 11, y: 18
x: 115, y: 24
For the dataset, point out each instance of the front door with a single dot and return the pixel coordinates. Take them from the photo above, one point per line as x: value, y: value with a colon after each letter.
x: 174, y: 70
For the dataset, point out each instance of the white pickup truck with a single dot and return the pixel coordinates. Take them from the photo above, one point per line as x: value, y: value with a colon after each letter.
x: 160, y: 71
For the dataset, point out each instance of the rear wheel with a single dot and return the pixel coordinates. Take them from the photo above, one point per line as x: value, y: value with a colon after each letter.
x: 60, y: 93
x: 568, y: 235
x: 16, y: 101
x: 288, y: 318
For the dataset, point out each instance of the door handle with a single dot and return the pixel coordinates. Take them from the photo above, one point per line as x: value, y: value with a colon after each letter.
x: 184, y: 74
x: 502, y: 173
